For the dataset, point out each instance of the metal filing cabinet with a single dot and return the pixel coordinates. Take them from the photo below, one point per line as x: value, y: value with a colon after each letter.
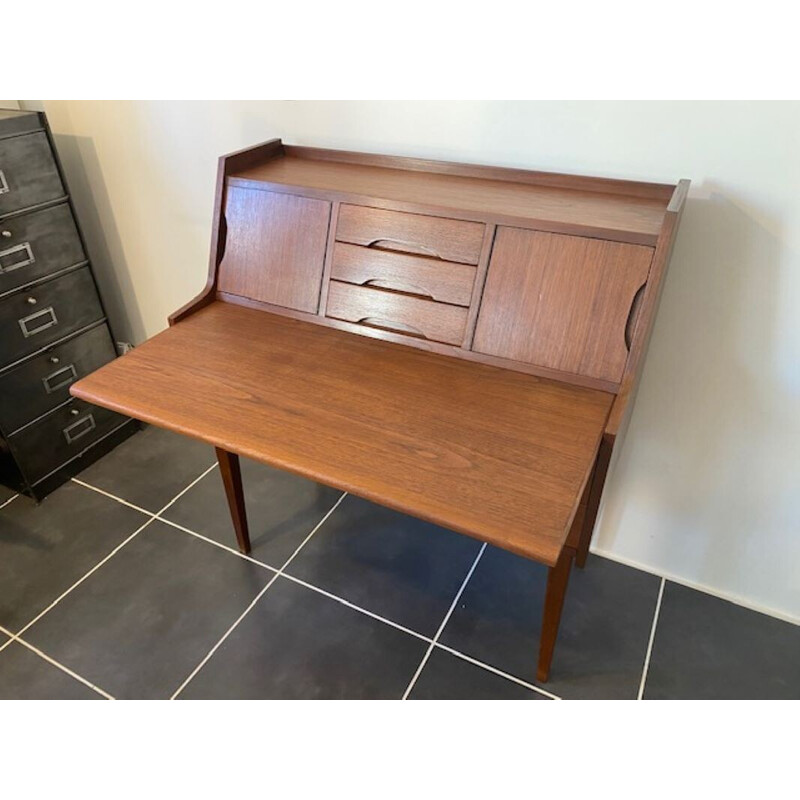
x: 53, y: 328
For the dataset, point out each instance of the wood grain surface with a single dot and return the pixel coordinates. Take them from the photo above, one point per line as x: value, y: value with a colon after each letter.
x: 275, y: 249
x: 561, y: 302
x: 492, y: 453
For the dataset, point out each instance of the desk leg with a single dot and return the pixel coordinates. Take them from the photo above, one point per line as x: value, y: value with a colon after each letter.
x: 232, y: 479
x: 597, y: 482
x: 557, y: 579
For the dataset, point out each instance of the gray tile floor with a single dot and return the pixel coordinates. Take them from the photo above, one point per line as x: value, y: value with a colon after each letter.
x: 125, y: 583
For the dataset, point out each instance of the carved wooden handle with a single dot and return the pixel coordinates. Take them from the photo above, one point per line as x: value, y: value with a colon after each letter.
x: 404, y: 247
x: 408, y: 288
x: 633, y: 315
x: 377, y: 322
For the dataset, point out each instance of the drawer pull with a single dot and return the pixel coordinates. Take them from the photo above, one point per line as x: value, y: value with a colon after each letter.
x: 15, y: 257
x: 54, y: 359
x: 375, y: 322
x: 6, y: 234
x: 3, y: 183
x: 408, y: 288
x: 38, y: 321
x: 403, y: 247
x: 79, y: 428
x: 61, y: 377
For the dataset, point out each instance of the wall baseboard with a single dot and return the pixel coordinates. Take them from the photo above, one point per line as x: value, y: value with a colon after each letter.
x: 731, y: 598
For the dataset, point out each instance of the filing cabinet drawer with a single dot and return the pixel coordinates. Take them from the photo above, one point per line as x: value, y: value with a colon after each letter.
x: 43, y: 446
x: 42, y: 383
x: 33, y: 318
x: 28, y: 173
x: 397, y: 312
x: 446, y: 239
x: 442, y: 281
x: 36, y: 244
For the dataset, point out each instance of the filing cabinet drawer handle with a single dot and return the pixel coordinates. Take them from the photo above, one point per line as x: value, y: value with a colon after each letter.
x: 3, y: 183
x: 83, y: 426
x: 38, y: 321
x: 61, y: 377
x: 22, y: 254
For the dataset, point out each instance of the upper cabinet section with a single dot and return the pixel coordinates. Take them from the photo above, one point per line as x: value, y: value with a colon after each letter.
x: 566, y: 303
x: 617, y: 210
x: 548, y: 274
x: 275, y: 248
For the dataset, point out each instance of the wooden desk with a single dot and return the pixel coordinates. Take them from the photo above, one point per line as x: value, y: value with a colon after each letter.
x: 458, y: 343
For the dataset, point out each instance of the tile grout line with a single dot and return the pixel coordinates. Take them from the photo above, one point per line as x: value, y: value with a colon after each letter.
x: 36, y: 651
x: 113, y: 552
x: 112, y: 497
x: 508, y: 676
x: 6, y: 502
x: 255, y: 600
x: 361, y: 610
x: 651, y: 640
x: 444, y: 622
x: 331, y: 596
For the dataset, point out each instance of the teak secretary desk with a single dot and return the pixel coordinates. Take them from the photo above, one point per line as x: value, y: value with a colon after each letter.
x: 457, y: 342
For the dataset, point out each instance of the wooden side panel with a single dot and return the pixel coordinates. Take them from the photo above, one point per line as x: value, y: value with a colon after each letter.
x: 275, y: 250
x: 561, y: 302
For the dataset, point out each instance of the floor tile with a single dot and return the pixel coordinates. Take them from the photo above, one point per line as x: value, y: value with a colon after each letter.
x: 150, y: 468
x: 396, y: 566
x: 708, y: 648
x: 27, y: 676
x: 297, y: 643
x: 448, y: 677
x: 44, y: 549
x: 282, y: 509
x: 604, y: 631
x: 141, y: 623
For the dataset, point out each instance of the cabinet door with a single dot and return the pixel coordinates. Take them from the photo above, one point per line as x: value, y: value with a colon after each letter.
x: 275, y: 247
x: 561, y: 302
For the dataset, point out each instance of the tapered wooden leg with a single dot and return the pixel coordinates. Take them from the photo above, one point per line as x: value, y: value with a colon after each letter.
x: 232, y: 480
x: 557, y: 580
x: 596, y: 484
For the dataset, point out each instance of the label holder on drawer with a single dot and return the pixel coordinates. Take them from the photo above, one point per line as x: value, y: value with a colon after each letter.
x: 50, y: 319
x: 86, y: 425
x: 27, y: 259
x: 63, y: 377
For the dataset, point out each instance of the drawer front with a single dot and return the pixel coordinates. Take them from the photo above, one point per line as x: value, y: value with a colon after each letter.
x: 37, y: 244
x: 397, y: 312
x: 30, y: 320
x: 442, y: 281
x: 446, y: 239
x: 63, y: 434
x: 28, y: 173
x: 39, y: 385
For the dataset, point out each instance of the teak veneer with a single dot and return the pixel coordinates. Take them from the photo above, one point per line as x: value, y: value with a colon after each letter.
x: 460, y: 343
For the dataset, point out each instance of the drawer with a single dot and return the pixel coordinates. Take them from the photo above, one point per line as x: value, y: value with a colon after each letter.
x: 397, y: 312
x: 447, y: 239
x: 28, y: 173
x: 34, y: 245
x: 63, y: 434
x: 442, y: 281
x: 42, y: 383
x: 30, y: 320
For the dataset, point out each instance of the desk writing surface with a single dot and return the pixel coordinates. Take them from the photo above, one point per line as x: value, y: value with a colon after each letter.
x: 496, y: 454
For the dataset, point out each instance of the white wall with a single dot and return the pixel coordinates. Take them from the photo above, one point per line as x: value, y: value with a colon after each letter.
x: 707, y: 486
